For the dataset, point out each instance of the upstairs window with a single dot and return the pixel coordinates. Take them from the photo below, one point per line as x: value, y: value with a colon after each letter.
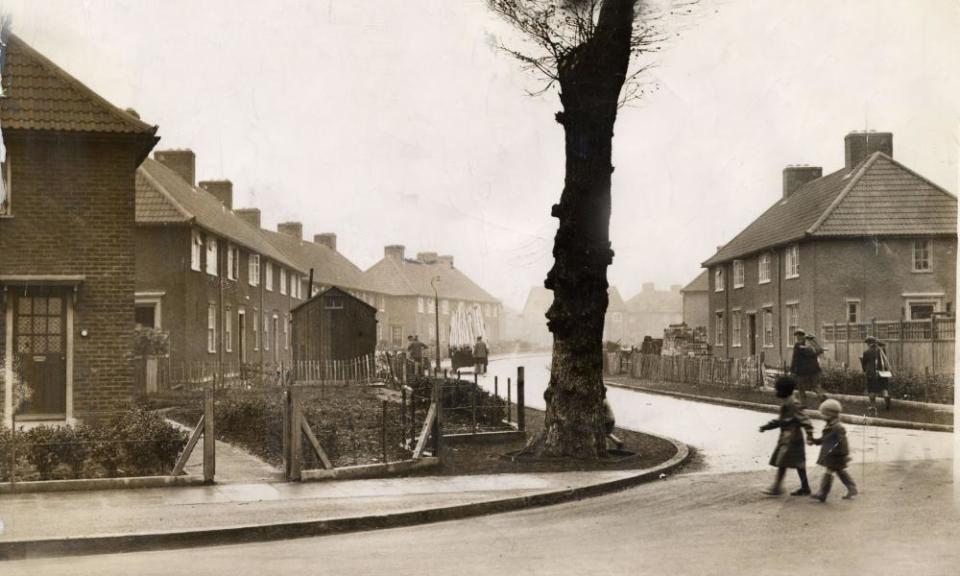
x: 253, y: 270
x: 5, y: 193
x: 921, y: 256
x: 718, y: 280
x: 738, y: 275
x: 212, y: 256
x: 196, y: 250
x: 763, y: 269
x: 268, y: 282
x: 233, y: 264
x: 792, y: 260
x: 283, y: 280
x: 420, y: 307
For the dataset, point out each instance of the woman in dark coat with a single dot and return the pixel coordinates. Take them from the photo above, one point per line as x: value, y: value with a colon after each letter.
x: 790, y: 451
x: 874, y: 361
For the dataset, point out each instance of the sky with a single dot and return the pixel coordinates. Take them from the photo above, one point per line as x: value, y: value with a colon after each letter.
x: 398, y: 122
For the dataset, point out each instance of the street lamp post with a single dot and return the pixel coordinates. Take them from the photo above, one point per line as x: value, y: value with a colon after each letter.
x: 436, y: 314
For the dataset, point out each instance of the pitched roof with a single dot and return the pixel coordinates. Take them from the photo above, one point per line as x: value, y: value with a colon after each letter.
x: 665, y: 301
x: 330, y: 267
x: 41, y: 96
x: 412, y: 278
x: 699, y: 284
x: 615, y: 301
x: 163, y: 197
x: 332, y: 289
x: 879, y: 196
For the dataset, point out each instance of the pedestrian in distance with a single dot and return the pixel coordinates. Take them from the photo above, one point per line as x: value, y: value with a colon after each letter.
x: 834, y: 452
x: 805, y: 365
x: 480, y: 355
x: 610, y: 422
x: 795, y: 432
x: 415, y: 350
x: 877, y: 369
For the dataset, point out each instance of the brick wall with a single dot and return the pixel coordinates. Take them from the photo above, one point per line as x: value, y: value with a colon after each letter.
x: 73, y: 214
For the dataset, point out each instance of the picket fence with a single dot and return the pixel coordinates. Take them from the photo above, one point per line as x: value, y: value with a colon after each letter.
x: 707, y: 370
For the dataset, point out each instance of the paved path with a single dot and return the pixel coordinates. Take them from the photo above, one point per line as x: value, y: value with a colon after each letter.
x: 905, y: 523
x: 233, y: 464
x: 727, y: 437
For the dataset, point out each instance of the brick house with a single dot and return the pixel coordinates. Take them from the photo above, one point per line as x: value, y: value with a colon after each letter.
x: 205, y: 275
x: 408, y: 303
x: 873, y: 240
x: 66, y: 241
x: 695, y: 301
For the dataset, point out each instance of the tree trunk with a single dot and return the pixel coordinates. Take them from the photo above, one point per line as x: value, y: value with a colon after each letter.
x: 591, y: 77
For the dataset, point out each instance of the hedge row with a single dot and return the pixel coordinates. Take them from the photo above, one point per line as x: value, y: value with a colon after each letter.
x: 135, y: 443
x: 935, y: 388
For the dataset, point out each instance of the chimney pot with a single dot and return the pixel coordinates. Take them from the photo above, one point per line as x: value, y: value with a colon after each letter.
x: 183, y: 162
x: 293, y: 229
x: 394, y: 251
x: 222, y: 190
x: 328, y: 239
x: 250, y: 215
x: 859, y: 145
x: 427, y: 257
x: 446, y: 260
x: 795, y: 176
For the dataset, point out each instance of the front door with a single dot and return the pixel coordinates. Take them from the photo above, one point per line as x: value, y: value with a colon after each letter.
x: 752, y: 333
x: 242, y: 340
x: 40, y: 346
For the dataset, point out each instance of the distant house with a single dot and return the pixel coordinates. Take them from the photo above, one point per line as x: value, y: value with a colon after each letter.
x: 651, y: 311
x: 205, y: 275
x: 409, y: 305
x: 615, y: 321
x: 66, y: 242
x: 695, y: 301
x: 533, y: 317
x: 333, y: 325
x: 873, y: 240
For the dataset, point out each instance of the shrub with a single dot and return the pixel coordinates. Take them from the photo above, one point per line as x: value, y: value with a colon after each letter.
x: 936, y: 388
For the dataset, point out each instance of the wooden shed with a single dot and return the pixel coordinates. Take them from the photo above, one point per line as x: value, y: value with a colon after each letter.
x: 333, y: 325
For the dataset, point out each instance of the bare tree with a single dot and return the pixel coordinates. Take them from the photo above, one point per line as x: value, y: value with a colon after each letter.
x: 589, y: 49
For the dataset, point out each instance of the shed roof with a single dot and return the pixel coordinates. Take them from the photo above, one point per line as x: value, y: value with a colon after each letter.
x: 879, y: 196
x: 42, y: 96
x: 326, y: 291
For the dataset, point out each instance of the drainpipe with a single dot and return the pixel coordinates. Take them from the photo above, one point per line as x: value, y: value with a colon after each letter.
x: 222, y: 319
x: 780, y: 306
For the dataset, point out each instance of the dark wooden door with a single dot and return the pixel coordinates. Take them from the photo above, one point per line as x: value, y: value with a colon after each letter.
x: 41, y: 350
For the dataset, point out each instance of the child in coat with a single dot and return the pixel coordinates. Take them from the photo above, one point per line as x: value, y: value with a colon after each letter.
x: 791, y: 450
x: 834, y: 452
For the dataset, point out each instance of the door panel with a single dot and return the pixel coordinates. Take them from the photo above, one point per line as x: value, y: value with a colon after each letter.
x: 41, y: 350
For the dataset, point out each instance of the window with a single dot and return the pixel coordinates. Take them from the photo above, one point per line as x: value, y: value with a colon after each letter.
x: 736, y: 327
x: 793, y: 261
x: 286, y: 333
x: 256, y: 329
x: 738, y: 274
x: 719, y: 330
x: 718, y: 280
x: 852, y: 311
x: 196, y: 250
x: 396, y: 335
x: 763, y: 269
x: 767, y: 328
x: 333, y: 303
x: 383, y: 303
x: 444, y: 306
x: 211, y: 328
x: 253, y: 270
x: 921, y: 256
x: 228, y: 331
x: 430, y: 306
x: 212, y: 256
x: 269, y: 279
x: 283, y: 280
x: 616, y: 317
x: 266, y: 331
x: 922, y: 309
x: 792, y: 313
x: 5, y: 190
x: 420, y: 307
x: 233, y: 255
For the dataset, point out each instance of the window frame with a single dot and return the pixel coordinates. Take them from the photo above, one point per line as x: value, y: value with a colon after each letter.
x: 256, y: 330
x: 420, y: 305
x: 736, y: 328
x: 253, y: 269
x: 6, y: 175
x: 739, y: 274
x: 266, y: 332
x: 925, y: 245
x: 211, y: 328
x: 268, y: 276
x: 767, y: 326
x: 283, y: 280
x: 764, y: 263
x: 719, y: 279
x: 196, y: 250
x: 212, y: 247
x: 846, y: 310
x: 228, y: 330
x: 791, y: 262
x: 791, y: 324
x: 936, y: 302
x: 718, y: 330
x: 232, y: 258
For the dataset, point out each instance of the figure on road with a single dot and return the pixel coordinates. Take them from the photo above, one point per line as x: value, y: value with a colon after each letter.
x: 834, y: 452
x: 877, y: 368
x: 415, y: 351
x: 480, y: 354
x: 805, y: 366
x: 790, y: 451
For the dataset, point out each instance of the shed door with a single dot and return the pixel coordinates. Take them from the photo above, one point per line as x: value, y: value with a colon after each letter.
x: 41, y: 351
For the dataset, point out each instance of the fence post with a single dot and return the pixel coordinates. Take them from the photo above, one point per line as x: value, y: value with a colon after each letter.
x: 509, y: 402
x: 209, y: 439
x: 496, y: 389
x: 296, y: 435
x: 933, y: 344
x: 383, y: 429
x: 438, y: 400
x: 285, y: 439
x: 413, y: 419
x: 521, y: 417
x: 473, y: 403
x: 403, y: 413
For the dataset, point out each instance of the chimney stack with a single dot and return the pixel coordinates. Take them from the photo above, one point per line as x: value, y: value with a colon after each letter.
x: 649, y: 287
x: 293, y: 229
x: 222, y: 190
x: 796, y: 176
x: 394, y: 251
x: 250, y: 215
x: 427, y: 257
x: 858, y: 145
x: 446, y: 260
x: 328, y: 239
x: 183, y: 162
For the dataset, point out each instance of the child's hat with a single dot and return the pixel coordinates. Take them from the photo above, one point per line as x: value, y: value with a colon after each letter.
x: 830, y: 407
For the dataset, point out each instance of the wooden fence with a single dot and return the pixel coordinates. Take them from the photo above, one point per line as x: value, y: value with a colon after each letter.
x: 707, y: 370
x: 913, y: 346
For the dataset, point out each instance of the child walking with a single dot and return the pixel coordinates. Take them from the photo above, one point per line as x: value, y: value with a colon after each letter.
x: 834, y: 452
x: 791, y: 450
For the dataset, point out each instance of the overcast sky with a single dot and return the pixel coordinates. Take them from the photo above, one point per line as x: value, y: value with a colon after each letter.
x: 394, y: 121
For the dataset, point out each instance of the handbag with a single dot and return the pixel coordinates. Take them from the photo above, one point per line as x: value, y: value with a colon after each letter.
x: 885, y: 373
